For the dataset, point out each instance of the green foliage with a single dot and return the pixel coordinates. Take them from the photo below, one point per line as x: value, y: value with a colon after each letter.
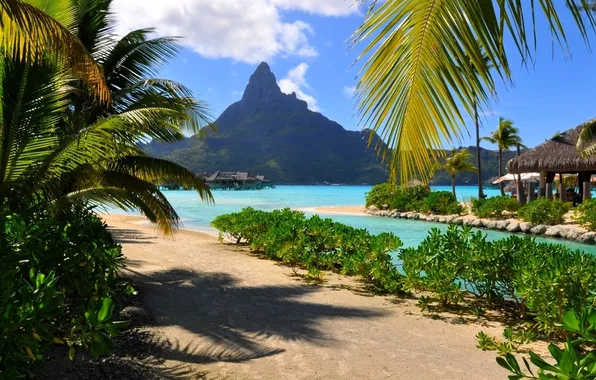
x: 58, y: 275
x: 442, y: 203
x: 576, y: 360
x: 585, y: 214
x: 545, y: 280
x: 412, y: 198
x: 544, y: 211
x: 389, y: 196
x: 494, y: 207
x: 316, y: 244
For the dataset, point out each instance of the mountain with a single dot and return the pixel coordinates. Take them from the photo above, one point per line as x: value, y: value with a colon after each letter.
x: 271, y: 133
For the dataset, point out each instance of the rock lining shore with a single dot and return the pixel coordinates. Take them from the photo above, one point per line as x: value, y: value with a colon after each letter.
x: 561, y: 231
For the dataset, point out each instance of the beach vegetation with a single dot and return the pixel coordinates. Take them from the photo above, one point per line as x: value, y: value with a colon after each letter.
x: 316, y: 245
x: 542, y: 280
x: 58, y: 285
x: 575, y: 360
x: 440, y: 203
x: 495, y: 207
x: 585, y: 214
x: 387, y: 196
x: 544, y: 211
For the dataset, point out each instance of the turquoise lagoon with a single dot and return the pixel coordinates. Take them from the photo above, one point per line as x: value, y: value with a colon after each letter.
x: 197, y: 215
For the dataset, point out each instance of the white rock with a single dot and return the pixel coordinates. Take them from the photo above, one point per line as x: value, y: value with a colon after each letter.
x: 514, y: 226
x: 525, y: 226
x: 553, y: 231
x: 538, y: 230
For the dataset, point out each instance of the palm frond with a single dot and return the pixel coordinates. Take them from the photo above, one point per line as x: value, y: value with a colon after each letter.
x: 136, y: 57
x: 160, y: 171
x: 413, y: 90
x: 27, y: 32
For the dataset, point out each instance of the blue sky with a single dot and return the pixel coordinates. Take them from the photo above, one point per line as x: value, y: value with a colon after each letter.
x: 305, y: 44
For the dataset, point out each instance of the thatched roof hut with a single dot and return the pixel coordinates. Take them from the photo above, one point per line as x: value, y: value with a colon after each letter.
x: 557, y: 155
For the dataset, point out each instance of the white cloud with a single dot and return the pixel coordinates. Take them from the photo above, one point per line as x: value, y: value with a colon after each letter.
x: 349, y: 91
x: 321, y: 7
x: 244, y: 30
x: 295, y: 81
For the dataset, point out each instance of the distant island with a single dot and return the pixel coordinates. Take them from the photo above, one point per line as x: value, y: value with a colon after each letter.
x: 276, y: 135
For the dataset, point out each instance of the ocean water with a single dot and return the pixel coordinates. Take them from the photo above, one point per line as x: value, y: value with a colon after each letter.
x: 197, y: 215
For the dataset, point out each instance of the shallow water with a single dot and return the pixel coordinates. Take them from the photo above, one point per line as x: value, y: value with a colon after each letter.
x: 197, y: 215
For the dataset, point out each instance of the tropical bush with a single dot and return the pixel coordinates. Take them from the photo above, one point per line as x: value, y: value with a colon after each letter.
x: 442, y: 203
x: 494, y: 207
x: 58, y: 276
x: 544, y: 280
x: 386, y: 196
x: 576, y: 360
x: 315, y: 244
x: 585, y: 214
x: 544, y: 211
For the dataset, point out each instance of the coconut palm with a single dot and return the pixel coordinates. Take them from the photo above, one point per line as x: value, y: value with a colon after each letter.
x: 410, y: 89
x: 81, y: 150
x: 458, y: 162
x: 505, y: 137
x: 32, y: 28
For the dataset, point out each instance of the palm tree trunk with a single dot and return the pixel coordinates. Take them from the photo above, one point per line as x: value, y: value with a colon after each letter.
x: 453, y: 185
x: 521, y: 193
x: 478, y: 160
x: 501, y: 171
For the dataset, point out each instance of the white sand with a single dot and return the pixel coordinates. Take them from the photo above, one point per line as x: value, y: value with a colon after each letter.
x: 231, y: 315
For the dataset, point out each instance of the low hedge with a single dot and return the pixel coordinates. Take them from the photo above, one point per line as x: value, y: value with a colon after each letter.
x: 494, y: 207
x: 544, y: 211
x: 316, y: 244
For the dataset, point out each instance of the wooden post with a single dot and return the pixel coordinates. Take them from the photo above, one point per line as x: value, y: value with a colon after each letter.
x: 521, y: 192
x: 562, y: 190
x: 542, y: 184
x: 531, y: 191
x: 549, y: 190
x: 587, y: 193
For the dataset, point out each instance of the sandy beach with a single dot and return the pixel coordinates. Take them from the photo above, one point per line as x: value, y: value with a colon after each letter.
x: 225, y: 313
x: 338, y: 210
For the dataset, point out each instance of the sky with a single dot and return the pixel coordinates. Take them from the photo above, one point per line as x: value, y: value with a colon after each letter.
x: 304, y: 42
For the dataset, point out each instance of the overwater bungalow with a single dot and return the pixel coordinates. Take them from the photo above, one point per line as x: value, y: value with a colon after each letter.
x: 237, y: 181
x: 558, y: 157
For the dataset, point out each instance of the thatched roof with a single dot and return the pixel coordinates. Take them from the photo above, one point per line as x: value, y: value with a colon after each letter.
x: 558, y: 154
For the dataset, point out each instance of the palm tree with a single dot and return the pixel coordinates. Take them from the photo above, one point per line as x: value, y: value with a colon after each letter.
x: 32, y: 28
x: 504, y: 137
x: 458, y: 162
x: 65, y: 147
x: 411, y: 92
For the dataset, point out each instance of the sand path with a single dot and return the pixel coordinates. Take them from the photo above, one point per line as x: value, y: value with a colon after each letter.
x: 230, y: 315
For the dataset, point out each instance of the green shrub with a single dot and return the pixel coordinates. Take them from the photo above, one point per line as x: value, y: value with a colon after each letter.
x: 316, y: 244
x: 494, y: 207
x: 387, y: 196
x: 585, y: 214
x: 545, y: 280
x: 575, y: 360
x: 58, y: 275
x: 544, y: 211
x: 442, y: 203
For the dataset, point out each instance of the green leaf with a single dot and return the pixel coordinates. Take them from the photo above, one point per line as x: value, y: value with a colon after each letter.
x: 570, y: 321
x: 105, y: 313
x: 71, y: 353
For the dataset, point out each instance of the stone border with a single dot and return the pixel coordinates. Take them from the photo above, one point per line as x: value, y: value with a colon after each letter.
x: 561, y: 231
